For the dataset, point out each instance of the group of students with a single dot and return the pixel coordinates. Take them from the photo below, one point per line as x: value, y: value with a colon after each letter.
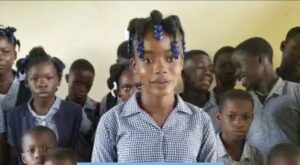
x: 142, y: 118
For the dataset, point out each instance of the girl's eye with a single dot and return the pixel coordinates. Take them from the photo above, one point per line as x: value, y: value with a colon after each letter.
x: 171, y: 59
x: 147, y: 61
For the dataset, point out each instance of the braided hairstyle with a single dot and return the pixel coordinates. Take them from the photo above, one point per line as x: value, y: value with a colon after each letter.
x: 138, y: 27
x: 38, y: 55
x: 8, y: 32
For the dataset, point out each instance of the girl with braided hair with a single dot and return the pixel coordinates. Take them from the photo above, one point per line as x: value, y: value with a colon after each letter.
x: 155, y: 124
x: 43, y: 77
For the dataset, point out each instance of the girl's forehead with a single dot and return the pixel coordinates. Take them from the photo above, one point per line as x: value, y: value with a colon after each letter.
x: 152, y: 44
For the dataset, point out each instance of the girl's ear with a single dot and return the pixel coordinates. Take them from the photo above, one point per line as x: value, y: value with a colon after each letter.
x: 67, y: 78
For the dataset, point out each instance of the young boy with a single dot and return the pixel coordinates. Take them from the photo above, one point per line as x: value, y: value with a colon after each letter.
x: 290, y: 64
x: 235, y: 116
x: 284, y: 154
x: 61, y: 156
x: 197, y: 76
x: 224, y: 71
x: 155, y: 124
x: 36, y: 143
x: 80, y: 80
x: 277, y: 102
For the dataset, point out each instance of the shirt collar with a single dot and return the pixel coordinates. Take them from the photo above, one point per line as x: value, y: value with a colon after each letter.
x: 223, y: 153
x: 211, y: 101
x: 132, y: 107
x: 54, y: 108
x: 90, y: 104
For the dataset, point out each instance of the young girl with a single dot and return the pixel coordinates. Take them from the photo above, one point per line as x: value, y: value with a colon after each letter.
x: 13, y: 92
x: 123, y: 83
x: 43, y: 78
x: 155, y: 124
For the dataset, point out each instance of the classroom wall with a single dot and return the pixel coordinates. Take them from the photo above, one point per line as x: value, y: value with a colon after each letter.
x: 93, y: 29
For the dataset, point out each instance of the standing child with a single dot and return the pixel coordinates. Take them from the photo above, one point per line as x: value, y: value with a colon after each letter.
x: 276, y: 101
x: 123, y: 83
x: 13, y: 92
x: 43, y: 78
x: 155, y: 124
x: 80, y: 80
x: 235, y: 116
x: 224, y: 71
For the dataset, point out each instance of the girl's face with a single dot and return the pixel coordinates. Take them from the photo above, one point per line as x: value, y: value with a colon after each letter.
x: 43, y: 80
x: 7, y: 55
x: 128, y: 84
x: 158, y: 70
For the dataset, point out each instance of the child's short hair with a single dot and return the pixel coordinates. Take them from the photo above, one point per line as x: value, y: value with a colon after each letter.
x: 39, y: 129
x: 223, y: 50
x: 82, y: 64
x: 292, y: 33
x: 194, y: 53
x: 235, y: 94
x: 62, y: 154
x: 256, y: 46
x: 285, y: 150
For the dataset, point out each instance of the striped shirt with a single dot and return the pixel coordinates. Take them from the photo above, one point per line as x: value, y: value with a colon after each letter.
x: 129, y: 134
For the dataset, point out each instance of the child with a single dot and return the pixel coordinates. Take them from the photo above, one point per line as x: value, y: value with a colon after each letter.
x: 36, y: 143
x: 123, y: 83
x: 235, y: 116
x: 197, y: 76
x: 13, y: 92
x: 224, y: 71
x: 80, y: 80
x: 155, y: 124
x: 43, y: 78
x: 61, y: 156
x: 289, y: 68
x: 284, y: 154
x: 277, y: 102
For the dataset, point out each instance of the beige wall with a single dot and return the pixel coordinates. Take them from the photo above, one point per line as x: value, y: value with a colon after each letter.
x: 93, y: 30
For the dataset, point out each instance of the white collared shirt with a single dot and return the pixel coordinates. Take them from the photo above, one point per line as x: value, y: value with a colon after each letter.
x: 250, y: 155
x: 47, y: 120
x: 86, y: 123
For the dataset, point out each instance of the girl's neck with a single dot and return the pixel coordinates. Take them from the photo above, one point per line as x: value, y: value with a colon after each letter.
x: 42, y: 106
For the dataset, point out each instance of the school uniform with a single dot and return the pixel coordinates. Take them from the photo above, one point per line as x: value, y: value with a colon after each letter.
x: 277, y: 119
x: 126, y: 133
x: 211, y: 108
x: 17, y: 94
x: 250, y: 155
x: 64, y: 118
x: 90, y: 118
x: 107, y: 102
